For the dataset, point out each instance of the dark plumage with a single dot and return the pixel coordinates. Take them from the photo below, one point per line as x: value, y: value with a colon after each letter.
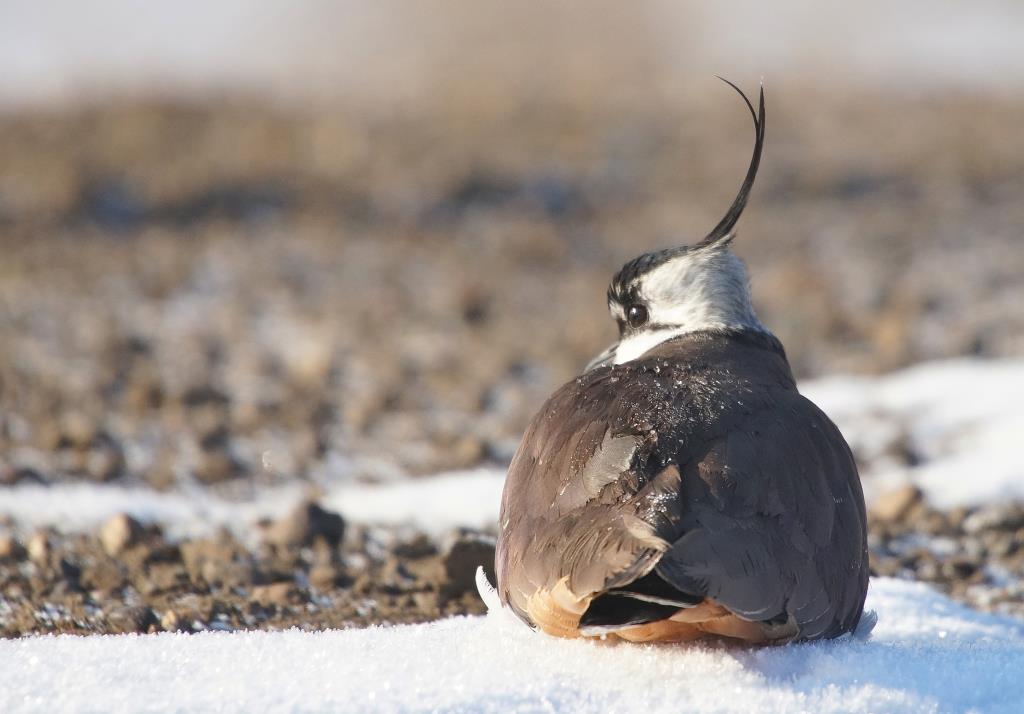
x: 735, y: 489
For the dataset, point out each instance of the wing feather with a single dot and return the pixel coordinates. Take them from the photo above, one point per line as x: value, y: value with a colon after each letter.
x: 789, y: 541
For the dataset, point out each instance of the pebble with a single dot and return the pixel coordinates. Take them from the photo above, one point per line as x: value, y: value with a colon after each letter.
x: 896, y: 504
x: 10, y: 476
x: 462, y: 557
x: 217, y: 561
x: 284, y: 593
x: 324, y: 577
x: 104, y: 576
x: 105, y: 461
x: 306, y: 524
x: 1001, y: 516
x: 128, y: 618
x: 217, y: 464
x: 170, y: 622
x: 77, y: 429
x: 119, y: 533
x: 38, y: 548
x: 10, y: 548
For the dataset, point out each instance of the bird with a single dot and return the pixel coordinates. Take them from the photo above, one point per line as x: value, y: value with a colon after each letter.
x: 681, y: 487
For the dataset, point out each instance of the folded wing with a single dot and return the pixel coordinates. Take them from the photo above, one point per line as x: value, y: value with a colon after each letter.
x: 773, y: 523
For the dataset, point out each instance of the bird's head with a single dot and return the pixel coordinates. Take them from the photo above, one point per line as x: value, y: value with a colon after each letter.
x: 666, y: 293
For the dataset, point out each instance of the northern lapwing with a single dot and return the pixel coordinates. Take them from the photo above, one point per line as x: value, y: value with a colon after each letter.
x: 682, y: 487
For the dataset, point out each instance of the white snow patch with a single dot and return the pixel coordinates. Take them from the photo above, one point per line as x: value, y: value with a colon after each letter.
x: 963, y: 419
x: 927, y: 654
x: 435, y: 504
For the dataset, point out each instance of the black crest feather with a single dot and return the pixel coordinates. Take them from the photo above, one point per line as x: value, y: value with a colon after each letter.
x: 620, y: 286
x: 725, y: 226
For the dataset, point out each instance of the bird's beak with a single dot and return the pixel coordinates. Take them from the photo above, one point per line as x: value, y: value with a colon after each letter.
x: 603, y: 359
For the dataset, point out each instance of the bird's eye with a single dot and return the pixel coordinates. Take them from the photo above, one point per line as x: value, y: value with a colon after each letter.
x: 636, y: 315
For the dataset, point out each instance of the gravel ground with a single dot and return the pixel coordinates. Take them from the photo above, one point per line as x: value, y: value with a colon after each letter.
x: 228, y: 295
x: 310, y: 571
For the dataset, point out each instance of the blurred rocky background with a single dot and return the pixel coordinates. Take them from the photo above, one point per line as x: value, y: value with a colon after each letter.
x: 249, y: 243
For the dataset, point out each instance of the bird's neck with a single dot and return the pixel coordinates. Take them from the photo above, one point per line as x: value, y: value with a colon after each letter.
x: 634, y: 346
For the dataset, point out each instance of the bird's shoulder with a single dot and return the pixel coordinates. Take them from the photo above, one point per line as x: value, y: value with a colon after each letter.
x: 649, y: 413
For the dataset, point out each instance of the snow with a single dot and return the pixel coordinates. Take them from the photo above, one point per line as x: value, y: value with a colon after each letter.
x: 436, y: 504
x: 962, y: 419
x: 926, y: 654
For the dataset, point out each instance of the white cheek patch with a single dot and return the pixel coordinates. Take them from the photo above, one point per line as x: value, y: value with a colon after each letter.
x: 694, y: 291
x: 636, y: 345
x: 681, y: 293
